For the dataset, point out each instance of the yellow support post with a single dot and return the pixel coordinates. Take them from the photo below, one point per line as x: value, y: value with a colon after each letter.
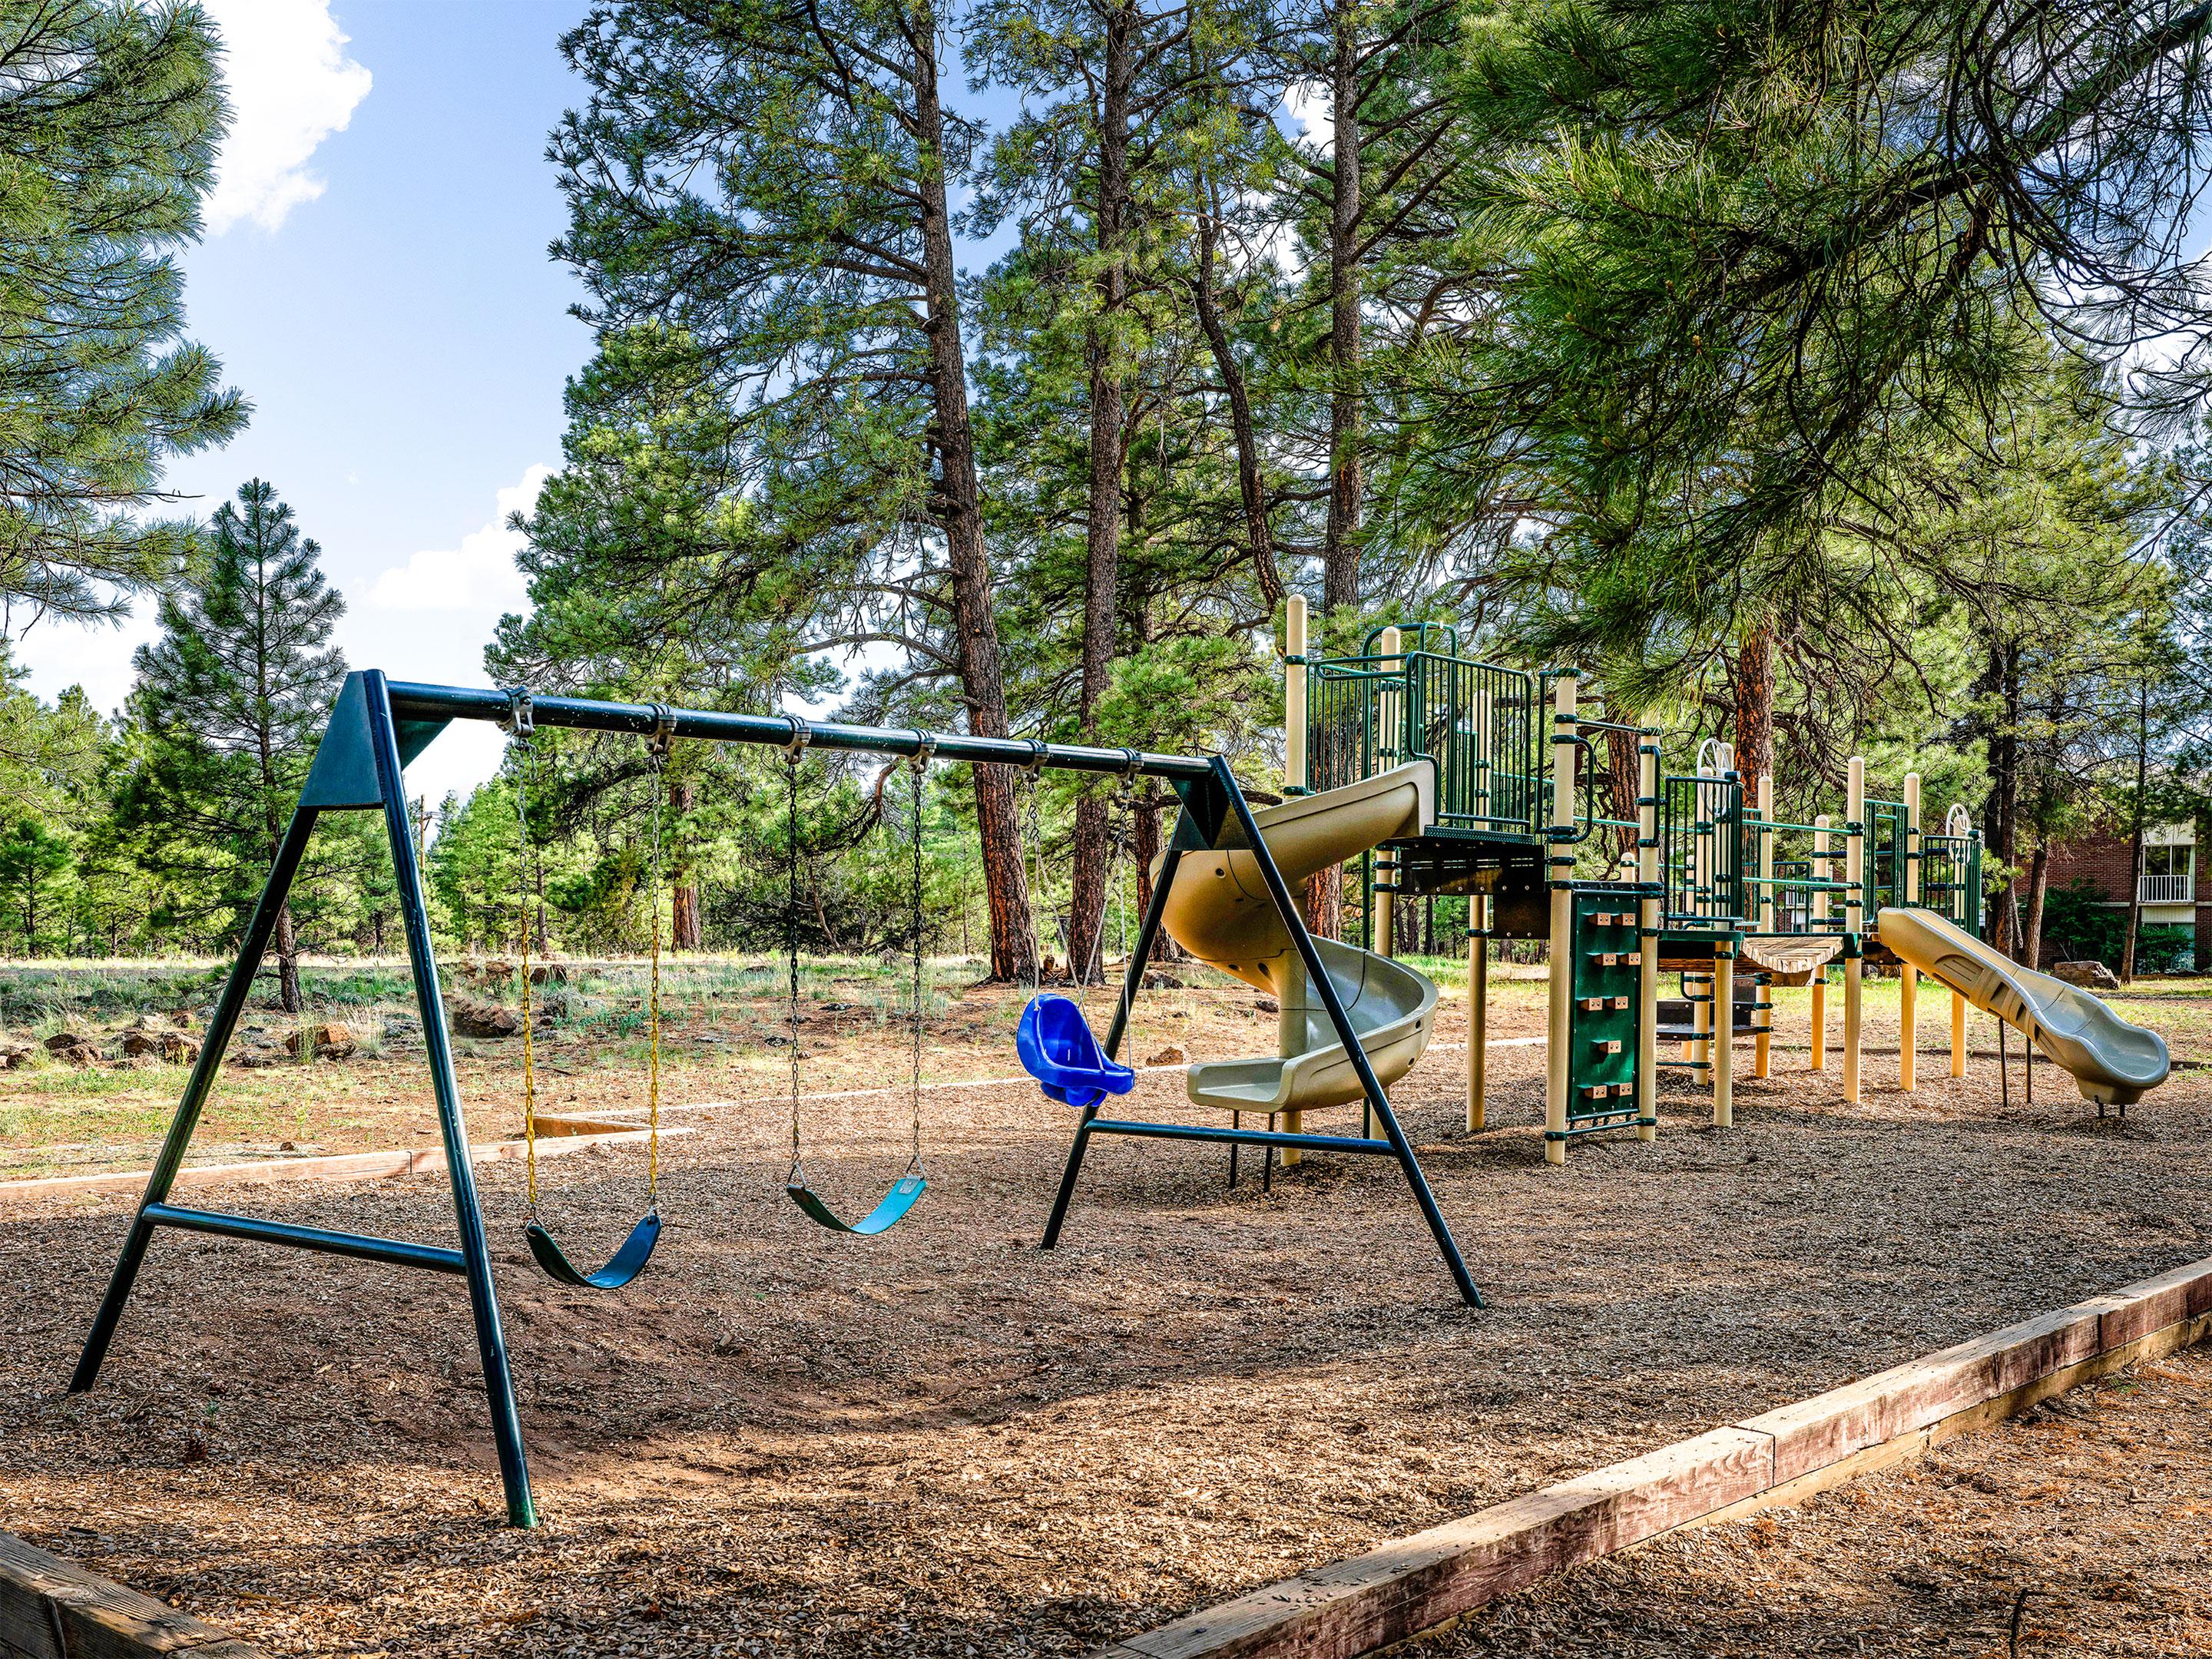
x: 1763, y: 1019
x: 1908, y: 980
x: 1391, y: 713
x: 1854, y: 919
x: 1819, y: 915
x: 1291, y: 1019
x: 1957, y: 1035
x: 1723, y: 1035
x: 1647, y: 939
x: 1478, y: 1007
x: 1562, y: 756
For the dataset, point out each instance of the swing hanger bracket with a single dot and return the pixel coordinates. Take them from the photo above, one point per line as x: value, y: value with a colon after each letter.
x: 663, y: 735
x: 925, y: 748
x: 519, y: 722
x: 801, y: 735
x: 1039, y: 753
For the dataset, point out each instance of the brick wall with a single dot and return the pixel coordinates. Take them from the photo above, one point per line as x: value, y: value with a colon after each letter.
x: 2106, y: 862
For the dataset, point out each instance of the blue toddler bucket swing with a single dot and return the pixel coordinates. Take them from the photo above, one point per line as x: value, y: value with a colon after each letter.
x: 1054, y: 1041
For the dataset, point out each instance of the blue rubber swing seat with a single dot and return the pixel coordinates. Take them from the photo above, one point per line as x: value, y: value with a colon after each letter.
x: 1058, y: 1050
x: 902, y: 1196
x: 627, y: 1263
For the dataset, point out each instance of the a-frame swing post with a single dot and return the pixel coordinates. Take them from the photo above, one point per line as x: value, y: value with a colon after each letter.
x: 1148, y: 932
x: 228, y: 1007
x: 1209, y: 804
x: 1318, y: 978
x: 358, y: 766
x: 437, y: 1045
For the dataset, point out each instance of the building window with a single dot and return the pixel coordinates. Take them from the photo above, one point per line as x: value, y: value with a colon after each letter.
x: 2169, y: 874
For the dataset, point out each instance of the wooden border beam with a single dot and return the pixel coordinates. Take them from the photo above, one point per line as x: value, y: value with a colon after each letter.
x: 52, y: 1608
x: 1411, y: 1585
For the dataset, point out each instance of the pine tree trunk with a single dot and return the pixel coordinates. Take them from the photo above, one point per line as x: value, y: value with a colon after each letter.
x: 1259, y: 530
x: 1087, y: 887
x: 2000, y: 680
x: 2039, y: 887
x: 683, y: 892
x: 1340, y: 541
x: 288, y: 962
x: 1752, y: 690
x: 975, y: 628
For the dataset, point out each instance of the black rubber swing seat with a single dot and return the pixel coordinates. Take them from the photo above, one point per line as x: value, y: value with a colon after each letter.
x: 624, y: 1266
x: 903, y: 1197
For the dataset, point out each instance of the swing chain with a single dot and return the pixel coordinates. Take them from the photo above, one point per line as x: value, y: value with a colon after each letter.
x: 792, y: 754
x: 519, y: 726
x: 1035, y: 769
x: 925, y: 746
x: 1125, y: 790
x: 657, y: 747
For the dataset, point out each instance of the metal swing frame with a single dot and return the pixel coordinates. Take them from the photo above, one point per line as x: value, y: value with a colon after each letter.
x: 378, y: 725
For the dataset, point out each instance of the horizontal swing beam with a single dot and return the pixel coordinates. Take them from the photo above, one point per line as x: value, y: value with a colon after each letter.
x: 412, y: 701
x: 362, y: 1247
x: 1110, y: 1126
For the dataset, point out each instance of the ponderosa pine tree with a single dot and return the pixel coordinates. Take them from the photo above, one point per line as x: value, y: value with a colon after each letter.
x: 1728, y: 279
x: 1083, y: 168
x: 227, y: 708
x: 108, y: 127
x: 773, y: 180
x: 35, y: 862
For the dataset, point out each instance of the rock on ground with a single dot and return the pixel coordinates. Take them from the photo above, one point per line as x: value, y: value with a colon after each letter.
x: 2093, y: 974
x: 328, y: 1041
x: 471, y: 1019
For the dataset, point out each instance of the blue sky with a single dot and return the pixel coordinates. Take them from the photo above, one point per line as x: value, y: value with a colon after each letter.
x: 375, y: 280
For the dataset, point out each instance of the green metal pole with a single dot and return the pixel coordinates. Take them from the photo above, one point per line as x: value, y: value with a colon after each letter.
x: 475, y: 1253
x: 228, y: 1007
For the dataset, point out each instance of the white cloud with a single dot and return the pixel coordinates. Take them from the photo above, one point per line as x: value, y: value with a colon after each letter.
x: 477, y: 575
x: 291, y: 87
x: 1308, y: 105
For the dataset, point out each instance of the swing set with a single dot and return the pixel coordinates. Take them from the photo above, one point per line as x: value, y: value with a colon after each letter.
x: 378, y: 725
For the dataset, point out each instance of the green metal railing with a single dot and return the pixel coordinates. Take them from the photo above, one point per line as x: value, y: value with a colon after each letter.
x: 1480, y: 723
x: 1803, y: 874
x: 1882, y: 873
x: 1951, y: 879
x: 1701, y: 849
x: 1488, y: 728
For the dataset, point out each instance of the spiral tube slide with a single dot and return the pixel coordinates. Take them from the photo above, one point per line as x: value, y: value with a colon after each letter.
x: 1220, y: 912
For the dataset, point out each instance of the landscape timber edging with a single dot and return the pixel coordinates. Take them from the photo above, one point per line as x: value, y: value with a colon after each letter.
x: 52, y: 1608
x: 336, y: 1166
x: 1410, y: 1586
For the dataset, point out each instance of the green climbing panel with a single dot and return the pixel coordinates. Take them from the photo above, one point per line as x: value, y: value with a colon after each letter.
x: 1602, y: 1051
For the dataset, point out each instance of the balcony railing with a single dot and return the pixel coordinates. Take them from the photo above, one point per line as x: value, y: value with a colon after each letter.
x: 2166, y: 889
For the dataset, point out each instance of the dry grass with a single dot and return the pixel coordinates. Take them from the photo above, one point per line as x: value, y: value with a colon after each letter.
x: 945, y: 1442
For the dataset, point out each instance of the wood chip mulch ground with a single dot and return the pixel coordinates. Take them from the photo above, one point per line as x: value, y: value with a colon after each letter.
x: 2084, y: 1527
x: 947, y: 1442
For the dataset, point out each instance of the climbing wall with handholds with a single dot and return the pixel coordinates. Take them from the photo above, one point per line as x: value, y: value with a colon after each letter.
x: 1602, y: 1048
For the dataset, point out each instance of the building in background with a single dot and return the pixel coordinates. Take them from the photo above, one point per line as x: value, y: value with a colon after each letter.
x: 2085, y: 912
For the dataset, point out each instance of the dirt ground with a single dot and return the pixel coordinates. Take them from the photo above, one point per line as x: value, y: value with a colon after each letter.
x: 2080, y: 1529
x: 946, y: 1442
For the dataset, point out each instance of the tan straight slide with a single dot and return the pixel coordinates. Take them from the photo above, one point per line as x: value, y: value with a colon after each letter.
x: 2113, y: 1061
x: 1219, y: 910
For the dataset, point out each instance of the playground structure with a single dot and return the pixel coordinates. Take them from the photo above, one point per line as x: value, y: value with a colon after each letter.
x: 377, y: 726
x: 1438, y: 774
x: 1707, y: 885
